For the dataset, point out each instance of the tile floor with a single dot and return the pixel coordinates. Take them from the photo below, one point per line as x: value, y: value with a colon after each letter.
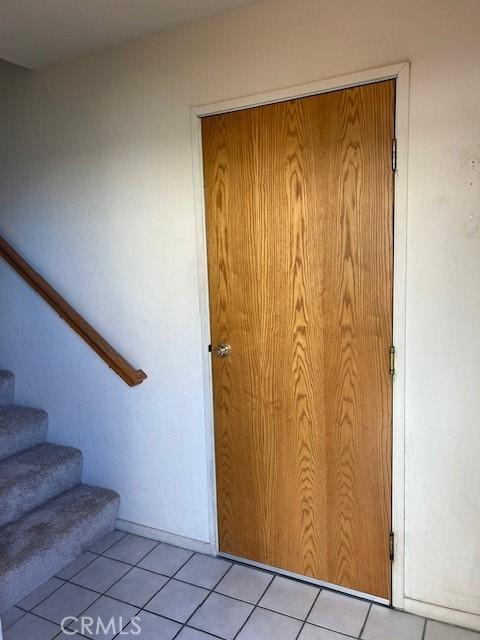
x: 143, y: 589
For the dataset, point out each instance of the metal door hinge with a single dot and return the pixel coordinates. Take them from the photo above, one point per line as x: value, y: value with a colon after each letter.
x: 394, y: 154
x: 392, y: 361
x: 391, y: 545
x: 209, y: 348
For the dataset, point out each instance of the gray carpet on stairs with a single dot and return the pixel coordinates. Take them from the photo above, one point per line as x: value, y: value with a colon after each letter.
x: 29, y: 479
x: 48, y: 538
x: 47, y: 518
x: 20, y: 429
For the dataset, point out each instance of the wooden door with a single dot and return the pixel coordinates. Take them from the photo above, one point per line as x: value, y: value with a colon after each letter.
x: 299, y: 207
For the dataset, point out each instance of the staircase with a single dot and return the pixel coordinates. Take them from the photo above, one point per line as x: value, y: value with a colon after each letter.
x: 47, y: 517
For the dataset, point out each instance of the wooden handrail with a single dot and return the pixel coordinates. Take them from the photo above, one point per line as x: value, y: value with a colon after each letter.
x: 85, y: 330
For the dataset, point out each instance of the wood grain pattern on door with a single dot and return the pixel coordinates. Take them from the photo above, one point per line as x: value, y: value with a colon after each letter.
x: 299, y: 208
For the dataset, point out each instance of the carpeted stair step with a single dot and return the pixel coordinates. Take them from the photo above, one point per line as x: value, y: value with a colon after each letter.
x: 31, y: 478
x: 45, y: 540
x: 7, y: 387
x: 20, y: 429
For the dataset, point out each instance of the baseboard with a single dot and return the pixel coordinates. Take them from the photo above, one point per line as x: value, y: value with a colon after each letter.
x: 163, y: 536
x: 443, y: 614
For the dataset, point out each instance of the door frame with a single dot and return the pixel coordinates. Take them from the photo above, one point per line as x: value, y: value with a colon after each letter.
x: 401, y: 73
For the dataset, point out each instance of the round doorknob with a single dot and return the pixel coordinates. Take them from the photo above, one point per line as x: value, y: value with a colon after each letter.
x: 223, y: 350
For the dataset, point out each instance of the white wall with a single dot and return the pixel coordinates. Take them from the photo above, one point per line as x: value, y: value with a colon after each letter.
x: 96, y: 190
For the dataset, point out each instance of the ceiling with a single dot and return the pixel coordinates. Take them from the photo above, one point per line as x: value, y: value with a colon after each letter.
x: 35, y: 33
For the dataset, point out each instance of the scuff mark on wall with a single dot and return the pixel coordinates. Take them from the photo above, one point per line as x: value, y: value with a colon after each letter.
x: 470, y: 163
x: 472, y: 225
x: 471, y: 159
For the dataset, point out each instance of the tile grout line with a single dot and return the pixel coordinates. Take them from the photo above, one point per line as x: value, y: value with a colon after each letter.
x: 210, y: 591
x: 169, y: 579
x: 140, y: 559
x: 43, y: 599
x: 314, y: 624
x: 37, y: 615
x: 255, y: 607
x: 64, y: 580
x: 128, y: 564
x: 99, y: 594
x: 73, y: 636
x: 207, y: 633
x: 107, y: 595
x: 18, y: 619
x: 104, y: 593
x: 110, y: 545
x: 424, y: 629
x: 365, y: 621
x: 308, y: 614
x: 77, y: 572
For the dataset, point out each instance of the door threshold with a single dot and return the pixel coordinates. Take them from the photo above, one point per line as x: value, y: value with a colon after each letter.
x: 298, y: 576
